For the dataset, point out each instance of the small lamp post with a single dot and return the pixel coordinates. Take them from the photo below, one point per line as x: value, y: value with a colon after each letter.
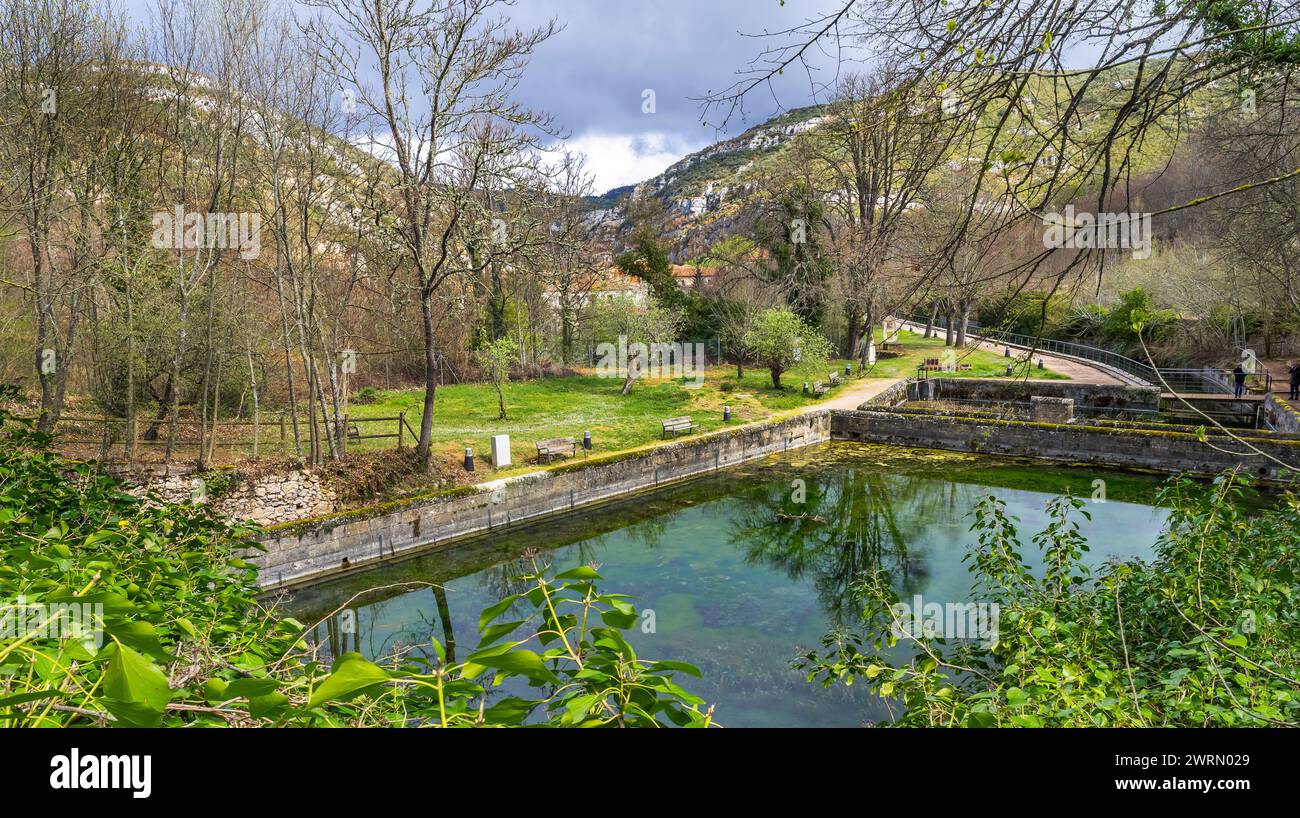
x: 586, y: 441
x: 726, y: 414
x: 469, y: 459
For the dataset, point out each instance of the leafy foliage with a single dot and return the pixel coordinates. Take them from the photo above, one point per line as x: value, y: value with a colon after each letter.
x: 183, y: 639
x: 1206, y: 635
x: 780, y: 339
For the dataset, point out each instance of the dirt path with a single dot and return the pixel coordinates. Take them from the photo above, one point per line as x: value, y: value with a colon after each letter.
x: 1281, y: 380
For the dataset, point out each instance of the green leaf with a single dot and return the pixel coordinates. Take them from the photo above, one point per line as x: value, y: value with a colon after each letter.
x: 137, y: 690
x: 352, y: 676
x: 517, y: 662
x: 584, y: 572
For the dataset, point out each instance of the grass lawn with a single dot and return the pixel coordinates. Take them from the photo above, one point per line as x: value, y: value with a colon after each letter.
x: 984, y: 364
x: 466, y: 414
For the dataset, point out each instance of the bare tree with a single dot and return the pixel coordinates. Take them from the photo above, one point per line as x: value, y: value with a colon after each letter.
x: 463, y: 62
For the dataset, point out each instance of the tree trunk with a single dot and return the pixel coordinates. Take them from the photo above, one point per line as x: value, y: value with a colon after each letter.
x: 425, y: 448
x: 633, y: 369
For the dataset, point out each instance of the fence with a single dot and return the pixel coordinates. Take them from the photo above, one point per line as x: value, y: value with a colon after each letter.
x: 106, y: 437
x: 1200, y: 380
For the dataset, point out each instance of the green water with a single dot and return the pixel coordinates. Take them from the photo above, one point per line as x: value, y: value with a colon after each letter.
x: 741, y: 575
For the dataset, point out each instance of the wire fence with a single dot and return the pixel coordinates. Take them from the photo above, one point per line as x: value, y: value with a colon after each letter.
x: 106, y: 438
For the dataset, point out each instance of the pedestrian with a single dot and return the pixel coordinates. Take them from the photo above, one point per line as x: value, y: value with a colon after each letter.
x: 1239, y: 381
x: 1293, y: 371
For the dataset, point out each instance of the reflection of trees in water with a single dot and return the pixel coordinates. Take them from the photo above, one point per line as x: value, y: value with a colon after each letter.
x: 650, y: 531
x: 347, y: 630
x: 848, y: 523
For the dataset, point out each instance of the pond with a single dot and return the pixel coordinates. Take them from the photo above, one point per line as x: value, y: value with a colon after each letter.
x: 745, y: 569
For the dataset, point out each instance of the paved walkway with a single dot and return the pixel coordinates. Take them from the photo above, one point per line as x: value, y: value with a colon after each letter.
x: 856, y: 393
x: 1281, y: 381
x: 1075, y: 370
x: 860, y: 391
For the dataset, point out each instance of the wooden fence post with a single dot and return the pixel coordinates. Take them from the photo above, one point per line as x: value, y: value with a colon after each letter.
x: 401, y: 419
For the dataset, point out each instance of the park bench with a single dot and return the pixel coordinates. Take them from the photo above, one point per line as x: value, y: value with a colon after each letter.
x: 547, y: 450
x: 819, y: 388
x: 676, y: 426
x: 835, y: 378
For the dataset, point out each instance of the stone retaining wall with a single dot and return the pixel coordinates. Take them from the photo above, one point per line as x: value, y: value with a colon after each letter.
x: 1280, y: 415
x: 1074, y: 443
x: 1145, y: 398
x: 309, y: 550
x: 268, y: 500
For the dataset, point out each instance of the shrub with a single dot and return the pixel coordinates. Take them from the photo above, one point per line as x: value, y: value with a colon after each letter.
x: 1206, y: 635
x: 180, y: 639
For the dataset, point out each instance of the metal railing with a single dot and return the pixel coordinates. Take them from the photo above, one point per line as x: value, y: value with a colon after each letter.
x: 1204, y: 380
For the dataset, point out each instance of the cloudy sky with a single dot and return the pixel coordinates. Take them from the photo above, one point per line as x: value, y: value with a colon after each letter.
x: 592, y: 75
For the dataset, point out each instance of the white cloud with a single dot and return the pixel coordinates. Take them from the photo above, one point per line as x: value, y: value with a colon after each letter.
x: 617, y: 159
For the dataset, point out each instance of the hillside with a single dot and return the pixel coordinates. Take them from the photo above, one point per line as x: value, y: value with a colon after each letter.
x: 704, y: 192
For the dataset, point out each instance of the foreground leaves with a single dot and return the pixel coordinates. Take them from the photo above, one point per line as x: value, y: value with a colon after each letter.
x: 118, y: 610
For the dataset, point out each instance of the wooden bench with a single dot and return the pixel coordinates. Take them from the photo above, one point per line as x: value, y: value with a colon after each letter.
x: 675, y: 426
x: 547, y: 450
x: 891, y: 346
x: 819, y: 388
x: 835, y: 378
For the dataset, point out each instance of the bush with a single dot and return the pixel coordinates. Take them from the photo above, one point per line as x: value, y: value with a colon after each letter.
x: 1021, y: 312
x: 1206, y: 635
x: 367, y: 396
x: 175, y: 636
x: 1134, y: 309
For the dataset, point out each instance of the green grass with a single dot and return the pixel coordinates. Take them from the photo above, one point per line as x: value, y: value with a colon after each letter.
x: 466, y: 414
x: 984, y: 364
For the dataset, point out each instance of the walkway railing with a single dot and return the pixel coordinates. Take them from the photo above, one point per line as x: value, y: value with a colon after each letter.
x: 1189, y: 380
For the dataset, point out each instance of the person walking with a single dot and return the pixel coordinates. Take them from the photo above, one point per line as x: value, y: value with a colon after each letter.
x: 1239, y: 381
x: 1293, y: 371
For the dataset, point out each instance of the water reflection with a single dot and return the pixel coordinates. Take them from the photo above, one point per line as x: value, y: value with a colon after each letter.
x: 742, y: 570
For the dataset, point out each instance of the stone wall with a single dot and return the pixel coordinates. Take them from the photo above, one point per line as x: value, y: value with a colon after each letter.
x: 1144, y: 398
x: 1078, y: 442
x: 1280, y: 415
x: 267, y: 499
x: 895, y: 395
x: 312, y: 549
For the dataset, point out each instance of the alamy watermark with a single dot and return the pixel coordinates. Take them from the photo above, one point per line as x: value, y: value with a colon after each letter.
x: 82, y: 621
x: 655, y: 360
x: 948, y: 620
x: 180, y: 230
x: 1100, y: 231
